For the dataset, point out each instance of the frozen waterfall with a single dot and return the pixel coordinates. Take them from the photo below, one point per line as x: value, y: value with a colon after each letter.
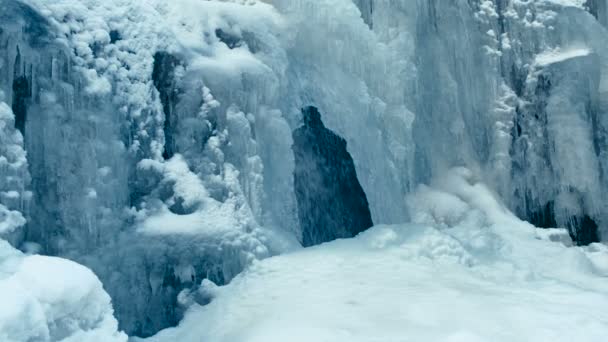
x: 156, y: 142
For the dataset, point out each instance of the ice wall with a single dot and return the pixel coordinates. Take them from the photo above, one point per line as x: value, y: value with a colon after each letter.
x: 478, y: 102
x: 137, y: 171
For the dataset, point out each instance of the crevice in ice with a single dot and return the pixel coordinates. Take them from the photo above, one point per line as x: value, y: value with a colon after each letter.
x: 367, y: 11
x: 582, y: 228
x: 115, y: 36
x: 21, y: 94
x: 543, y: 217
x: 331, y: 202
x: 236, y: 39
x: 599, y: 9
x: 163, y: 76
x: 231, y: 40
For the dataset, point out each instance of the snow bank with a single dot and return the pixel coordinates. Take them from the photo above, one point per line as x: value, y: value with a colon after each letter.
x: 52, y: 299
x: 466, y: 270
x: 552, y: 56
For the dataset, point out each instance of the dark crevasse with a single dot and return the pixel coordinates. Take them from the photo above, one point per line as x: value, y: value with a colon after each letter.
x: 599, y: 9
x: 367, y: 11
x: 21, y: 94
x: 163, y: 76
x: 331, y: 202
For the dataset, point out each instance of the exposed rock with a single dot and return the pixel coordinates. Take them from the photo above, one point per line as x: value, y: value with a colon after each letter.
x: 331, y: 202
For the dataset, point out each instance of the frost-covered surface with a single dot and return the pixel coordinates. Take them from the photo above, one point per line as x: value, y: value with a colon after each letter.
x: 80, y: 74
x: 43, y: 298
x: 467, y: 270
x: 14, y: 197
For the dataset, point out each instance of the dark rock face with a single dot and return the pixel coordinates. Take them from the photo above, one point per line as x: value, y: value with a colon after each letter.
x: 163, y: 76
x: 331, y: 202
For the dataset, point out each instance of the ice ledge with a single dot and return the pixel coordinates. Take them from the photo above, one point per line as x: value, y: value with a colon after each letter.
x: 558, y: 55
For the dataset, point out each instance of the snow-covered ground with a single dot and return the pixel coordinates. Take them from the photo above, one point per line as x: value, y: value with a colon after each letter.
x: 468, y: 270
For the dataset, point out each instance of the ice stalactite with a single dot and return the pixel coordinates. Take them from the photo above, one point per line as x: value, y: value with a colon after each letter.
x: 477, y: 103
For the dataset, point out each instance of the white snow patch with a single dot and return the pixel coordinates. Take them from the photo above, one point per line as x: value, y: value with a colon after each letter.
x: 10, y: 220
x: 557, y: 55
x: 52, y: 299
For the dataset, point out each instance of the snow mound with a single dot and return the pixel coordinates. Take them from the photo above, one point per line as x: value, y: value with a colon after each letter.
x: 466, y: 270
x: 52, y: 299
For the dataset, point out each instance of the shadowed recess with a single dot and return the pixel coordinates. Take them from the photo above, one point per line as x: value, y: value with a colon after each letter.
x: 331, y: 201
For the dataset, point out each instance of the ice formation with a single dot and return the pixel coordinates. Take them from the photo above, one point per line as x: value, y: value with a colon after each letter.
x: 151, y: 140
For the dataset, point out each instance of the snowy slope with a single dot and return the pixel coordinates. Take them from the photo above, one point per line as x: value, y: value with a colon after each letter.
x: 469, y: 271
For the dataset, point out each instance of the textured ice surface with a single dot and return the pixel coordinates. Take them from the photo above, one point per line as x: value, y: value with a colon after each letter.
x: 95, y: 114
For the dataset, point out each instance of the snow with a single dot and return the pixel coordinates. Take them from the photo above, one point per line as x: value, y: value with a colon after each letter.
x: 468, y: 272
x: 52, y: 299
x: 559, y: 55
x: 10, y: 220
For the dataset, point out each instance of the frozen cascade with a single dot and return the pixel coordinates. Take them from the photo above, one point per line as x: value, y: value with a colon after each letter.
x: 159, y: 134
x: 93, y: 105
